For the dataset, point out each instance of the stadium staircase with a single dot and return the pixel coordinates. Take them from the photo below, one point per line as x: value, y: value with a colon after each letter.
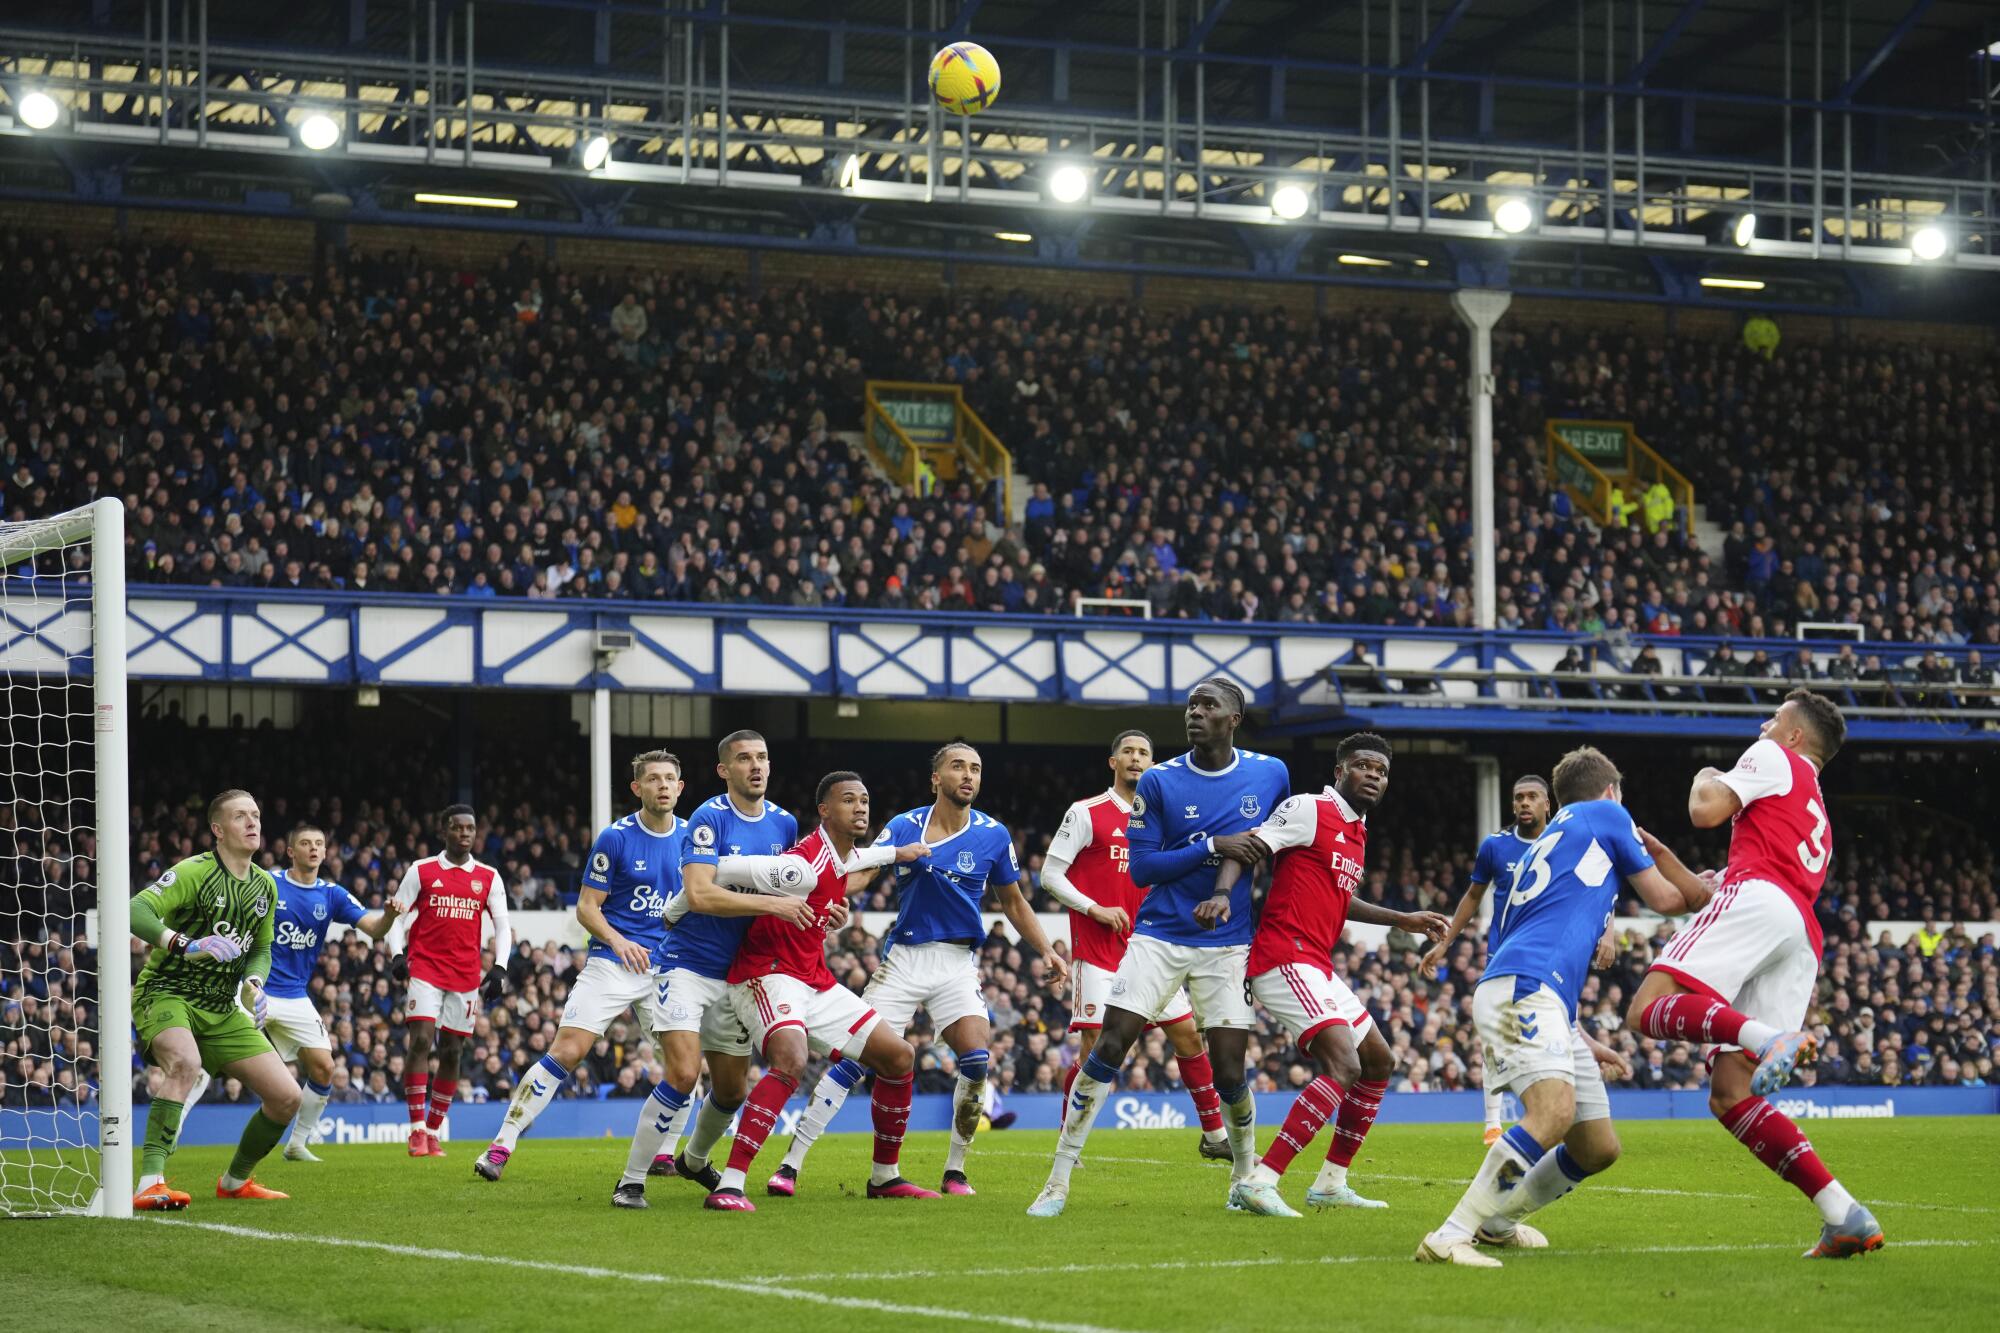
x: 919, y: 435
x: 1592, y: 459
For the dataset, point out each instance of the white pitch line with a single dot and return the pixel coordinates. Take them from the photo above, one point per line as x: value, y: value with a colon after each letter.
x: 1595, y: 1189
x: 746, y: 1288
x: 1273, y: 1261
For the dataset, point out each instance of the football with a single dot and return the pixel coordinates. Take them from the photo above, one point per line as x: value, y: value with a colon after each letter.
x: 965, y: 78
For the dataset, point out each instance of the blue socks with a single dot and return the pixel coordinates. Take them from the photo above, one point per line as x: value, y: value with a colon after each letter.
x: 1095, y: 1067
x: 972, y: 1066
x: 846, y: 1073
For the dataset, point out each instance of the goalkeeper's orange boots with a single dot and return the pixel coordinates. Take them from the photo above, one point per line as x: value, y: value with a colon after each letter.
x: 249, y: 1189
x: 159, y: 1197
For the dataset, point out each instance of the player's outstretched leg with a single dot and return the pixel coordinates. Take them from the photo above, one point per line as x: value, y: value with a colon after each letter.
x: 1847, y: 1227
x: 1357, y: 1117
x: 265, y: 1075
x: 418, y: 1033
x: 538, y: 1088
x: 663, y: 1110
x: 828, y: 1096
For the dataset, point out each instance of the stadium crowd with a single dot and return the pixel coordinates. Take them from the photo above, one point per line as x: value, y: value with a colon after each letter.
x: 529, y: 431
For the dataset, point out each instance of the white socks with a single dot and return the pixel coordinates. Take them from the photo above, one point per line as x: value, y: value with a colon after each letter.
x: 539, y: 1086
x: 1239, y: 1118
x: 1496, y: 1107
x: 709, y: 1126
x: 662, y: 1115
x: 828, y: 1096
x: 312, y: 1105
x: 1833, y: 1203
x: 1331, y: 1177
x: 1507, y: 1165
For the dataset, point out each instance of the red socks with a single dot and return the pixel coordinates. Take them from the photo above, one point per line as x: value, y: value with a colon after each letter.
x: 890, y: 1106
x: 416, y: 1091
x: 1315, y: 1105
x: 1690, y: 1017
x: 1199, y: 1077
x: 1777, y: 1142
x: 760, y: 1117
x: 442, y: 1091
x: 1357, y: 1117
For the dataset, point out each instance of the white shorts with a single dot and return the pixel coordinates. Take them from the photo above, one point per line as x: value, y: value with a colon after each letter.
x: 603, y: 990
x: 1749, y: 949
x: 836, y: 1021
x: 1090, y: 990
x: 1154, y: 971
x: 941, y: 978
x: 454, y: 1011
x: 1531, y: 1038
x: 685, y: 1001
x: 293, y: 1025
x: 1307, y: 1000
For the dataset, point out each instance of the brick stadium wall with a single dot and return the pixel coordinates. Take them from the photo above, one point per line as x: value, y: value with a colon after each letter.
x: 285, y: 245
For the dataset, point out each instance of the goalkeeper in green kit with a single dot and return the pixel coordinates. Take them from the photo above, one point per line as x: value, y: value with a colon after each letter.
x: 209, y: 920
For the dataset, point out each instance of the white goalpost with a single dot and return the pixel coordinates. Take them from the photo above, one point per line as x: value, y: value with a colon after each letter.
x: 65, y: 991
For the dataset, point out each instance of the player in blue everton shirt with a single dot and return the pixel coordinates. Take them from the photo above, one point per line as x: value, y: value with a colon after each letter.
x: 307, y: 906
x: 693, y: 1013
x: 633, y: 870
x: 1190, y: 814
x: 1498, y: 854
x: 930, y: 957
x: 1552, y: 916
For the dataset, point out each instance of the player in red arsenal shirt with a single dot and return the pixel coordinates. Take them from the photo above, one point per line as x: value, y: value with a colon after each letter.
x: 792, y: 1004
x: 1320, y: 844
x: 444, y: 902
x: 1087, y: 870
x: 1741, y: 975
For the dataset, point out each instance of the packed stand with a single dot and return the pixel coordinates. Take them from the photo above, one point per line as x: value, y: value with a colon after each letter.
x: 525, y: 431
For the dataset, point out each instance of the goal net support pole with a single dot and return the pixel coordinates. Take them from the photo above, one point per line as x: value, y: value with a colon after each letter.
x: 114, y: 858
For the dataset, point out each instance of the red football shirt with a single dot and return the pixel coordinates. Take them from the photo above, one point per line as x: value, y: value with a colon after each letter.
x: 443, y: 904
x: 1781, y: 834
x: 1320, y: 845
x: 773, y: 946
x: 1092, y: 842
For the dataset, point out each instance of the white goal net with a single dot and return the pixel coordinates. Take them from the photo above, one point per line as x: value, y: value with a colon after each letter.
x: 65, y: 1023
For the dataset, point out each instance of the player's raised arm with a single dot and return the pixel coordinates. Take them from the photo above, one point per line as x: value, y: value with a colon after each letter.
x: 375, y: 925
x: 1711, y: 803
x: 1431, y: 925
x: 1690, y: 890
x: 705, y: 895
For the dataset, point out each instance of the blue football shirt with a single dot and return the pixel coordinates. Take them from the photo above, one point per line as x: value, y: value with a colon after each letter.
x: 1563, y: 892
x: 299, y: 930
x: 1498, y: 857
x: 1179, y: 807
x: 706, y: 945
x: 637, y: 870
x: 938, y: 897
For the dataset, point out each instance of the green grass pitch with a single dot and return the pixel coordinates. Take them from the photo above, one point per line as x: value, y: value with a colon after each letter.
x: 1687, y: 1232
